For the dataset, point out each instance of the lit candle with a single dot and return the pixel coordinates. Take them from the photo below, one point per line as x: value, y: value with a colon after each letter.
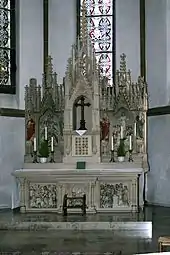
x: 121, y: 132
x: 52, y: 144
x: 45, y: 133
x: 130, y: 142
x: 112, y: 147
x: 135, y: 129
x: 35, y: 144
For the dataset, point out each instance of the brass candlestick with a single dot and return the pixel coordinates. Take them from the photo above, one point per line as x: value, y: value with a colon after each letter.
x: 35, y: 157
x: 52, y: 157
x: 112, y: 156
x: 130, y: 156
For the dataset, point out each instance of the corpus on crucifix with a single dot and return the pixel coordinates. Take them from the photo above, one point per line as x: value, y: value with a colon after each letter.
x: 82, y: 104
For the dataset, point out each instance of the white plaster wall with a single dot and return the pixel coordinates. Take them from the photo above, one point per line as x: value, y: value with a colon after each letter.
x: 29, y: 49
x: 156, y: 51
x: 168, y: 49
x: 30, y: 44
x: 128, y: 34
x: 12, y: 150
x: 158, y: 184
x: 62, y: 33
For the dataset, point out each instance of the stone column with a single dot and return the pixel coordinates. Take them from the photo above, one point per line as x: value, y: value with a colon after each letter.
x: 22, y: 195
x: 134, y: 194
x: 97, y: 194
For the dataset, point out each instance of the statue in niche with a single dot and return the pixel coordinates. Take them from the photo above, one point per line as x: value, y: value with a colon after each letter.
x: 30, y: 134
x: 139, y: 126
x: 30, y: 130
x: 105, y: 131
x: 139, y: 133
x: 105, y: 128
x: 123, y: 121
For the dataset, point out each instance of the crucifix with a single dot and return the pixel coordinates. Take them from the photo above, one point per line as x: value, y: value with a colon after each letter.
x: 82, y: 104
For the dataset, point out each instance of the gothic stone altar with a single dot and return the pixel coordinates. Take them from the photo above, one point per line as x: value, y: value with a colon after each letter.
x: 81, y: 124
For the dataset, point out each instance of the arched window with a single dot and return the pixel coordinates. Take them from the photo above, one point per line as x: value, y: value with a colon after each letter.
x: 101, y: 25
x: 7, y: 47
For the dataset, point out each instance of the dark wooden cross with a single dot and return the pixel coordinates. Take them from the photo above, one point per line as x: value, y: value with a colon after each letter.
x: 82, y: 104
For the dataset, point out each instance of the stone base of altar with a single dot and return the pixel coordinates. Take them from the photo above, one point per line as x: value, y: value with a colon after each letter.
x: 108, y: 187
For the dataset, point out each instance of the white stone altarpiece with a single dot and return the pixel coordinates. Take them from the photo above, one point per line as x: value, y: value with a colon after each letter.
x: 83, y: 120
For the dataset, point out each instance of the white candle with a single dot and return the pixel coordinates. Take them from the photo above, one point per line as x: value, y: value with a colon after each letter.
x: 130, y: 142
x: 45, y: 133
x: 35, y: 144
x: 121, y: 132
x: 112, y: 145
x: 12, y: 201
x: 135, y: 129
x: 52, y: 144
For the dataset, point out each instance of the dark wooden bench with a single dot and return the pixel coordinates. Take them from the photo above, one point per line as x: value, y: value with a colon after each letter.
x: 68, y: 203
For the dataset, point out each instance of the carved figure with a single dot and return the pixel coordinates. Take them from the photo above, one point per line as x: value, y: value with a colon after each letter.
x: 123, y: 121
x: 105, y: 128
x: 30, y: 130
x: 114, y: 195
x: 43, y: 196
x: 139, y: 126
x: 125, y: 196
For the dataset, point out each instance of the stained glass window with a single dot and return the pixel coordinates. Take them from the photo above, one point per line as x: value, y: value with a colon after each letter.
x: 101, y: 26
x: 7, y: 46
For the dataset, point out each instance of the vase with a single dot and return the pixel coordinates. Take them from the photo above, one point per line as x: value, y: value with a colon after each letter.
x: 43, y: 160
x: 121, y: 159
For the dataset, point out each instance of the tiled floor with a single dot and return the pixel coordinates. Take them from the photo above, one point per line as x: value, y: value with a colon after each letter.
x: 87, y: 242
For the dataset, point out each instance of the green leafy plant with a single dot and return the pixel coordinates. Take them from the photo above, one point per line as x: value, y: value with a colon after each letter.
x: 121, y: 152
x: 43, y: 150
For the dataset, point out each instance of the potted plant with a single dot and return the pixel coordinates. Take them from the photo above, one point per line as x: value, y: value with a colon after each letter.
x: 43, y: 151
x: 121, y: 151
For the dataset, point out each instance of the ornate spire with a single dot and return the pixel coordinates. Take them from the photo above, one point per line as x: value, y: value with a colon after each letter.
x: 83, y: 27
x: 123, y: 63
x: 48, y: 73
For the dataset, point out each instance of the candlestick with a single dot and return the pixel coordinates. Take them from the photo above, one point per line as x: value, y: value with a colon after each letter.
x: 52, y: 157
x: 121, y: 132
x: 35, y: 157
x: 130, y: 142
x: 112, y: 143
x: 130, y: 156
x: 112, y: 156
x: 45, y: 134
x: 35, y: 144
x: 52, y: 144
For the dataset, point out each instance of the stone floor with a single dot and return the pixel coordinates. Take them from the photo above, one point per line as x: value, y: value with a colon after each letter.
x: 67, y: 242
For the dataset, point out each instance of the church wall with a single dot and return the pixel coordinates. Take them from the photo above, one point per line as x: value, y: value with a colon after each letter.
x: 168, y: 50
x: 156, y: 51
x: 11, y: 157
x: 30, y: 44
x: 158, y: 188
x: 128, y: 34
x: 62, y: 33
x: 29, y: 52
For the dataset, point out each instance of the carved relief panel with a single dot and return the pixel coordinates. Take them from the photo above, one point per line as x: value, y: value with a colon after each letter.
x: 43, y: 195
x: 114, y: 195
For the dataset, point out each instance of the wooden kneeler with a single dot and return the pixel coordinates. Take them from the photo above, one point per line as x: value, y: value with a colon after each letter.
x: 163, y: 241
